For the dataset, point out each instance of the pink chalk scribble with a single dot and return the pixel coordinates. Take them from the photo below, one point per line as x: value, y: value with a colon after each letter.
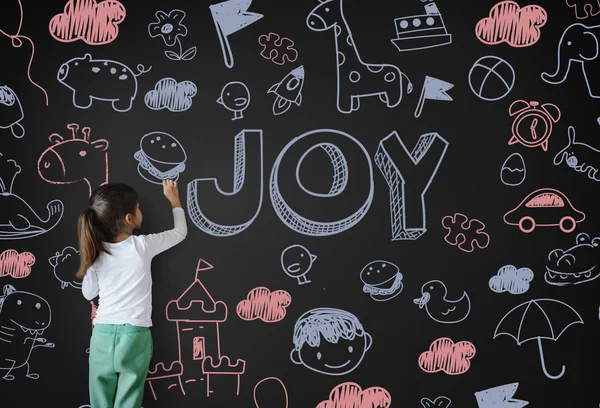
x: 261, y: 303
x: 87, y: 20
x: 16, y: 40
x: 447, y: 356
x: 508, y: 22
x: 465, y: 233
x: 276, y: 49
x: 72, y: 160
x: 351, y: 395
x: 269, y: 393
x: 15, y: 264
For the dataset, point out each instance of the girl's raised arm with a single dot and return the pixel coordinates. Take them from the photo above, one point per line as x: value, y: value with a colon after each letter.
x: 162, y: 241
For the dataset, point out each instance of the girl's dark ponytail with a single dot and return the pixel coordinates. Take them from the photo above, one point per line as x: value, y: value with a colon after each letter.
x: 103, y: 220
x: 89, y: 243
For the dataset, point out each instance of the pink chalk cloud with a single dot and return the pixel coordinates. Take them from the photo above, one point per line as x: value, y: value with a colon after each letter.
x: 265, y: 305
x: 508, y: 22
x: 351, y: 395
x: 447, y: 356
x: 93, y: 23
x: 17, y: 265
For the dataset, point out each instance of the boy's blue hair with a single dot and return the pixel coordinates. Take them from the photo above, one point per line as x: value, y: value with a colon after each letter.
x: 327, y: 322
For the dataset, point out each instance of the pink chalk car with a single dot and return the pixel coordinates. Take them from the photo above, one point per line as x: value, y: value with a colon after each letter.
x: 545, y: 207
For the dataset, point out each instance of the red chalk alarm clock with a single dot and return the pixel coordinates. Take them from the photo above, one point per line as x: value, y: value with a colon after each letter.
x: 532, y: 125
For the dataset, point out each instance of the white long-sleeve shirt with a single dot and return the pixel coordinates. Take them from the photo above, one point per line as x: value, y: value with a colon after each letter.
x: 122, y: 278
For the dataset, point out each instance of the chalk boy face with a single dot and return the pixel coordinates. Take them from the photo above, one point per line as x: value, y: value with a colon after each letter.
x: 333, y: 358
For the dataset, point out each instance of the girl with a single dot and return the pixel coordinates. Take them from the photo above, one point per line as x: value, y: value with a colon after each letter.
x: 115, y: 264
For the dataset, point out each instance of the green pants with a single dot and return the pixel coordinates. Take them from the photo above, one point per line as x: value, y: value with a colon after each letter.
x: 119, y: 358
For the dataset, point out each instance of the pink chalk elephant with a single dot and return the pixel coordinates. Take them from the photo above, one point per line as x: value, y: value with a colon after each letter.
x: 584, y: 8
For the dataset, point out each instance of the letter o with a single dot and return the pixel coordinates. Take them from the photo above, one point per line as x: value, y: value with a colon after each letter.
x: 354, y: 196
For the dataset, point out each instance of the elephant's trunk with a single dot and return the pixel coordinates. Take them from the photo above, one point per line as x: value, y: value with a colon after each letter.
x: 561, y: 72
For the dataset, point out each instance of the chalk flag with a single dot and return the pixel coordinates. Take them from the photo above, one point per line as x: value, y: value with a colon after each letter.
x: 500, y: 397
x: 231, y: 16
x: 433, y: 88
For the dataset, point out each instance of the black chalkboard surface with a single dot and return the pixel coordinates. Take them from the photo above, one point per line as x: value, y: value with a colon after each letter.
x: 390, y: 203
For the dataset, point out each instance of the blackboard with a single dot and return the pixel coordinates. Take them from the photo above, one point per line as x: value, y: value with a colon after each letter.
x: 349, y: 171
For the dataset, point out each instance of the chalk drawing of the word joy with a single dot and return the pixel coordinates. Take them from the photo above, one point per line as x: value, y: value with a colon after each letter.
x: 347, y: 201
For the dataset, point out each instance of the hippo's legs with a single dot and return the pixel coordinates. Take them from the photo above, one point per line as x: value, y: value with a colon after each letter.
x: 122, y: 105
x: 82, y: 100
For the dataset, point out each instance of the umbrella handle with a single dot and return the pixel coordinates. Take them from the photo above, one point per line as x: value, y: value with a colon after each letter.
x: 552, y: 377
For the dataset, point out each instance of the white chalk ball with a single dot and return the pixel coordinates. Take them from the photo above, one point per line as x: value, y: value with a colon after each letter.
x: 491, y: 78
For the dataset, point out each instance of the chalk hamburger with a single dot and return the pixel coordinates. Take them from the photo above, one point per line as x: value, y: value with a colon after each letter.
x: 160, y: 157
x: 382, y: 279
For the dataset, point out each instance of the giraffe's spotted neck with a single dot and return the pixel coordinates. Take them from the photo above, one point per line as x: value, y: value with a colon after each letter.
x: 345, y: 44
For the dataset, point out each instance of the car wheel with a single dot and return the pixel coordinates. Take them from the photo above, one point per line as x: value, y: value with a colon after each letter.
x: 567, y: 224
x: 524, y: 224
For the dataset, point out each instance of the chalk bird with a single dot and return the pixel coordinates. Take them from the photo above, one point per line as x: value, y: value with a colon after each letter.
x: 433, y: 299
x: 296, y: 261
x: 235, y: 97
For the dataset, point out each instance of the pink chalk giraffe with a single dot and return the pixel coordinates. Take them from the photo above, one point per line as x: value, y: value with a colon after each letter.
x: 72, y: 160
